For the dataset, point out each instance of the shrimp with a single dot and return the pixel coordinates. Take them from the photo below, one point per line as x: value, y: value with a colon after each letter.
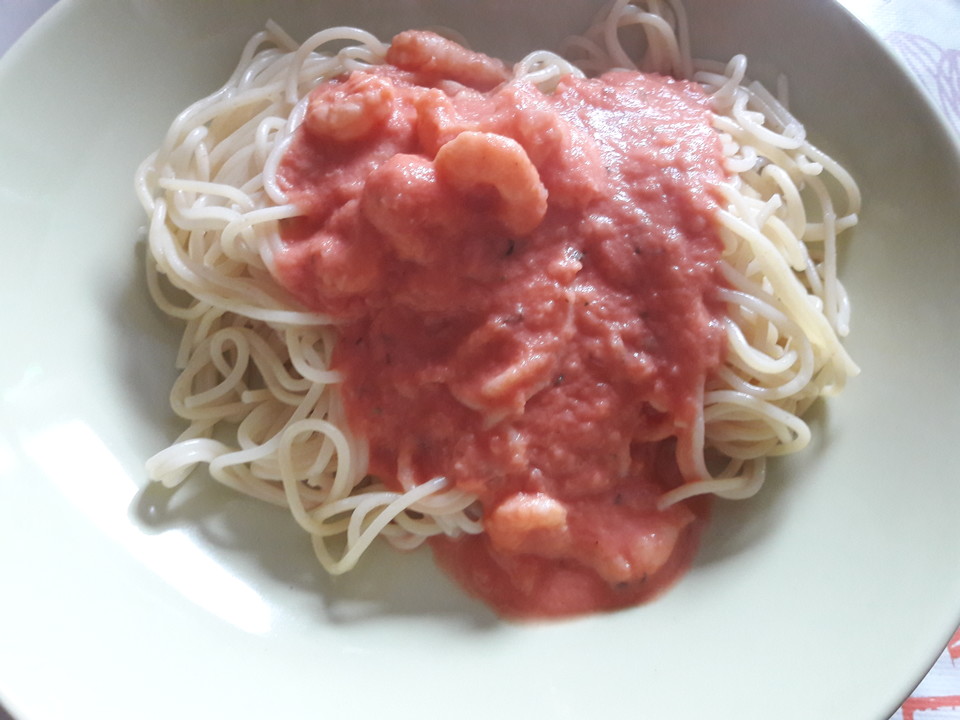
x: 350, y: 110
x: 481, y: 159
x: 430, y: 54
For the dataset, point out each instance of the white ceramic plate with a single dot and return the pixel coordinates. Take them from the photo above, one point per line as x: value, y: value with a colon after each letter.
x: 828, y: 595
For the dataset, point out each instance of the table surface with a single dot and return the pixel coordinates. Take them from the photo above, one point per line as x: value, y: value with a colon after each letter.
x: 925, y: 35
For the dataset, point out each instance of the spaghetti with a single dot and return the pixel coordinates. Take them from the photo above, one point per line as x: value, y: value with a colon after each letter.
x: 256, y: 386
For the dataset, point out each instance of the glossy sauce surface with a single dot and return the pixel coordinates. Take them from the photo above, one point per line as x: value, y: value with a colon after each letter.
x: 527, y: 290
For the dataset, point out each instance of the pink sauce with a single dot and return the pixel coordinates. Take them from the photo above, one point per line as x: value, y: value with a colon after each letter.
x: 527, y: 285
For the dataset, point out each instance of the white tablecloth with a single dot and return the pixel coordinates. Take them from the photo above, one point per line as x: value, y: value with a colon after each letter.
x: 925, y: 35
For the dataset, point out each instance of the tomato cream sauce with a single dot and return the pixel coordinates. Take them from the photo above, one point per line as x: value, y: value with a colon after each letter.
x: 526, y: 290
